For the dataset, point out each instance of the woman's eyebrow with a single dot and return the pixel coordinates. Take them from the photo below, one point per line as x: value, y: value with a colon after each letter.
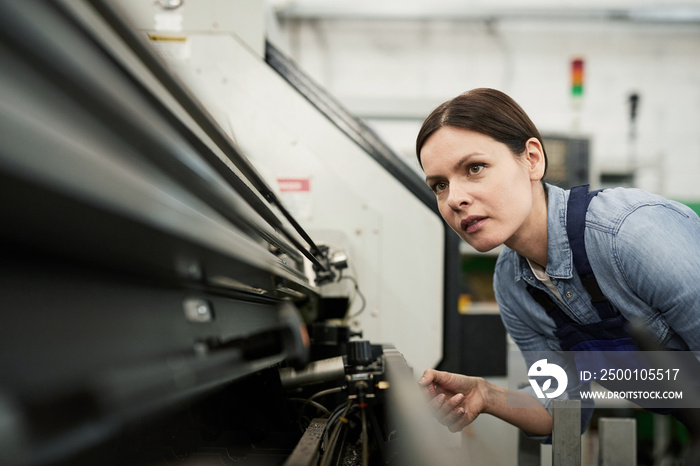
x: 429, y: 179
x: 464, y: 159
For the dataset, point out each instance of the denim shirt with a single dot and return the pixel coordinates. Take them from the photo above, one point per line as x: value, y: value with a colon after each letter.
x: 645, y: 254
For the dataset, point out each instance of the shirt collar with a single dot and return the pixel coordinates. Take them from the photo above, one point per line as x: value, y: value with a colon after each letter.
x: 559, y: 255
x: 560, y: 261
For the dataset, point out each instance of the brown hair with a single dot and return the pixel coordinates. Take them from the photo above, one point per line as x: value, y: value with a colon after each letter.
x: 486, y: 111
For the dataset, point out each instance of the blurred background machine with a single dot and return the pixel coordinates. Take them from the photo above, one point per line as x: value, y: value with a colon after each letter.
x: 205, y: 260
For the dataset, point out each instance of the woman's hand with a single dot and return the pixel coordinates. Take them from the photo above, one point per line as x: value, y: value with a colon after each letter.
x: 457, y: 399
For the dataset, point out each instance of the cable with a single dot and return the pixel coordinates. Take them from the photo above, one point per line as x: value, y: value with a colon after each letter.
x: 329, y: 391
x: 337, y: 413
x: 358, y: 293
x: 364, y: 438
x: 316, y: 405
x: 328, y: 454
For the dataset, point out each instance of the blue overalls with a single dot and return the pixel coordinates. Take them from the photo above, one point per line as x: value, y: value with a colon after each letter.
x: 607, y: 335
x: 610, y: 333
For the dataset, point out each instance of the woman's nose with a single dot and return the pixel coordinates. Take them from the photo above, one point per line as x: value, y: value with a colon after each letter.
x: 458, y: 197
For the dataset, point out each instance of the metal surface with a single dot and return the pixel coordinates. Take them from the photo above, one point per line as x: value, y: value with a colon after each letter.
x: 197, y: 310
x: 422, y: 441
x: 112, y: 149
x: 618, y: 441
x: 350, y: 202
x: 566, y: 433
x: 324, y: 370
x: 111, y: 350
x: 138, y: 264
x: 217, y: 135
x: 307, y: 450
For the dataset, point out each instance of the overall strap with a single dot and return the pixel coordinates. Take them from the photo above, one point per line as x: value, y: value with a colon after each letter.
x: 579, y: 198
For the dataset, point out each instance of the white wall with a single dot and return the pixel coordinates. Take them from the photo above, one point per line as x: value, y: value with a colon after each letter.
x: 393, y: 72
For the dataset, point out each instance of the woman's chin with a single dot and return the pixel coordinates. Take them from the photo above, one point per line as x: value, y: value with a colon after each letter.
x: 483, y: 246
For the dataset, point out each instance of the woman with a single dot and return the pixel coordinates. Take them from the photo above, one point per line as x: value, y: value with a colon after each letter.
x: 485, y: 161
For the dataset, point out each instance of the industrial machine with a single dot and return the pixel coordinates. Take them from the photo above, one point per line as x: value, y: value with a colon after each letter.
x: 199, y: 251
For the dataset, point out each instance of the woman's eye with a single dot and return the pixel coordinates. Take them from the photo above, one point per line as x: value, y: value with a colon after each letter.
x: 475, y: 168
x: 438, y: 187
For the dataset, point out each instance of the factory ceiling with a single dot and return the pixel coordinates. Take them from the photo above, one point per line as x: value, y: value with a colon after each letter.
x: 650, y: 11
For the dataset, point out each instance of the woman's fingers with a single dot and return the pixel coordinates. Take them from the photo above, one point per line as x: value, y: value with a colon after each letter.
x: 455, y: 413
x: 449, y: 411
x: 460, y: 421
x: 452, y: 404
x: 437, y: 402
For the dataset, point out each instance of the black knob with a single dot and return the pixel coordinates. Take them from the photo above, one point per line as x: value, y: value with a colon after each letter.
x: 359, y: 353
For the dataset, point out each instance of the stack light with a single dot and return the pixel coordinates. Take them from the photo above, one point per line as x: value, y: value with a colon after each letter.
x: 577, y: 77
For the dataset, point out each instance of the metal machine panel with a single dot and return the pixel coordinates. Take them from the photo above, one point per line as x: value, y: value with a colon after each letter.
x: 156, y: 287
x: 395, y: 242
x: 138, y: 273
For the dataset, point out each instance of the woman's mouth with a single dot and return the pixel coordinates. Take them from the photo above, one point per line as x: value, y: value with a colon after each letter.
x: 472, y: 223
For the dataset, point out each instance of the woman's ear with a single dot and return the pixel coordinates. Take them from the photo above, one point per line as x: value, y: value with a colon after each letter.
x: 534, y: 157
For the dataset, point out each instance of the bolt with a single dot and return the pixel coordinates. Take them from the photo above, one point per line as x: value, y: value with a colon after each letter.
x: 197, y: 310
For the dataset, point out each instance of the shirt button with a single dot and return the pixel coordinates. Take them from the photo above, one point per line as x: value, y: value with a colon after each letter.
x: 569, y: 294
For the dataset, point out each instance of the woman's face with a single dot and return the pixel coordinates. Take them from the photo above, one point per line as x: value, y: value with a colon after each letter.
x: 483, y: 191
